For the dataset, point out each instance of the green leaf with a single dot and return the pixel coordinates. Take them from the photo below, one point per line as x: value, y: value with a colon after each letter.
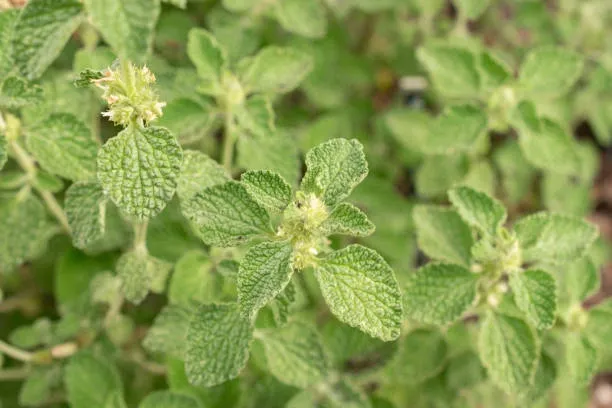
x: 493, y: 72
x: 439, y: 293
x: 545, y: 376
x: 3, y: 151
x: 334, y: 168
x: 169, y: 399
x: 277, y: 152
x: 580, y: 280
x: 37, y: 387
x: 218, y: 341
x: 90, y: 381
x: 554, y: 238
x: 472, y: 9
x: 550, y: 72
x: 239, y: 5
x: 465, y: 371
x: 580, y: 359
x: 599, y: 326
x: 168, y: 333
x: 458, y: 129
x: 139, y: 168
x: 197, y: 173
x: 207, y: 55
x: 24, y: 231
x: 87, y: 77
x: 478, y: 209
x: 128, y: 27
x: 256, y: 116
x: 226, y: 215
x: 535, y: 293
x: 452, y: 69
x: 442, y: 234
x: 277, y: 70
x: 188, y: 120
x: 64, y: 146
x: 17, y: 92
x: 85, y: 207
x: 74, y: 271
x: 40, y: 33
x: 346, y: 219
x: 8, y: 18
x: 306, y: 18
x: 437, y: 174
x: 295, y: 354
x: 139, y: 273
x: 509, y: 350
x: 268, y: 189
x: 264, y: 272
x: 281, y: 306
x: 517, y: 173
x: 194, y: 279
x: 422, y: 354
x: 360, y: 289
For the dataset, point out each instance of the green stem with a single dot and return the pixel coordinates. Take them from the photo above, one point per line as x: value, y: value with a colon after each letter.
x: 15, y: 353
x: 140, y: 236
x: 14, y: 374
x: 27, y: 163
x: 229, y: 141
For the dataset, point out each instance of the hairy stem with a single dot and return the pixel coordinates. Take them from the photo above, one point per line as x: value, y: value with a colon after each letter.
x: 229, y: 141
x: 140, y: 236
x: 15, y: 352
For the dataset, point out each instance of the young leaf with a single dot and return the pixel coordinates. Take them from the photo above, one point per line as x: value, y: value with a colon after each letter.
x: 197, y: 173
x: 478, y: 209
x: 85, y: 207
x: 268, y: 189
x: 226, y: 215
x: 305, y: 18
x: 442, y: 234
x: 550, y: 71
x: 439, y: 293
x: 24, y: 230
x: 580, y: 358
x: 139, y: 168
x: 422, y: 354
x: 347, y: 219
x: 453, y: 70
x: 64, y: 146
x: 169, y: 399
x: 360, y: 289
x: 277, y: 70
x: 458, y: 129
x: 140, y: 273
x: 90, y: 381
x: 509, y: 350
x: 169, y: 331
x: 264, y: 272
x: 17, y: 92
x: 535, y: 293
x: 256, y: 116
x: 207, y: 55
x: 295, y: 355
x: 40, y: 33
x: 128, y: 27
x: 554, y: 238
x: 334, y: 168
x: 218, y: 341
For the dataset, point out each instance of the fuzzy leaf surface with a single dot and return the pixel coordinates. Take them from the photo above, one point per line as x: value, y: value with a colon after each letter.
x: 346, y: 219
x: 550, y: 71
x: 169, y: 331
x: 85, y: 207
x: 207, y: 55
x: 452, y: 69
x: 535, y: 292
x: 268, y: 189
x: 277, y: 70
x: 197, y: 173
x: 478, y: 209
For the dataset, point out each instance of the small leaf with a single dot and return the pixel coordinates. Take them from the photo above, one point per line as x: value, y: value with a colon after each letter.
x: 139, y: 272
x: 16, y: 93
x: 550, y: 71
x: 87, y: 77
x: 264, y: 272
x: 509, y: 350
x: 453, y: 70
x: 85, y: 207
x: 256, y: 116
x: 442, y: 234
x: 277, y: 70
x: 197, y: 173
x: 64, y: 146
x: 207, y: 55
x: 580, y: 359
x: 41, y: 32
x: 306, y: 18
x: 268, y: 189
x: 334, y: 168
x: 295, y: 355
x: 478, y: 209
x: 218, y: 341
x: 360, y: 289
x: 128, y: 27
x: 439, y: 293
x: 90, y: 381
x: 346, y: 219
x: 554, y: 238
x: 139, y: 168
x: 168, y: 333
x: 493, y: 72
x: 226, y: 215
x: 535, y: 294
x: 457, y: 129
x: 169, y: 399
